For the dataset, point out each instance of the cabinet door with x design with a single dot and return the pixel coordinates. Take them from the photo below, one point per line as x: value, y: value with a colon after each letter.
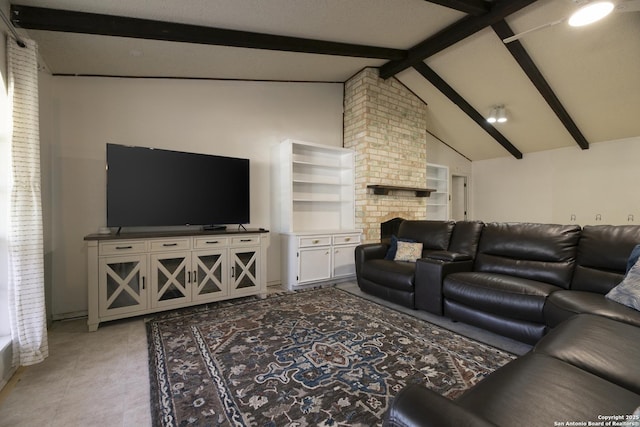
x: 245, y: 270
x: 170, y: 279
x: 122, y: 285
x: 209, y: 275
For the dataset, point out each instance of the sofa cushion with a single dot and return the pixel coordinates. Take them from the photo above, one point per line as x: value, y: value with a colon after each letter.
x: 394, y: 274
x: 465, y: 237
x: 603, y: 253
x: 434, y: 235
x: 408, y: 251
x: 593, y: 343
x: 628, y: 291
x: 540, y: 390
x: 507, y: 296
x: 563, y: 304
x: 521, y: 330
x: 540, y: 252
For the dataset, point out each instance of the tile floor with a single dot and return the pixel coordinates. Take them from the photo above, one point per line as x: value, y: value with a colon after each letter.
x: 101, y: 379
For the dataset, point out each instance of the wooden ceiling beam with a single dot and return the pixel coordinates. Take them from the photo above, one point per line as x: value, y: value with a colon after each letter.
x: 472, y: 7
x: 453, y: 34
x: 455, y: 97
x: 523, y: 59
x: 38, y: 18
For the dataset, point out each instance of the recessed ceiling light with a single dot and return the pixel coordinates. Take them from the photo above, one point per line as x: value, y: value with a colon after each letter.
x: 591, y: 13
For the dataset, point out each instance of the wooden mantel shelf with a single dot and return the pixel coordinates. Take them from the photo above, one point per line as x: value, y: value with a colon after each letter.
x: 384, y: 190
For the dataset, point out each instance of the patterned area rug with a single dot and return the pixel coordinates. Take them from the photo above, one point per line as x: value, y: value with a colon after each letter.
x: 319, y: 357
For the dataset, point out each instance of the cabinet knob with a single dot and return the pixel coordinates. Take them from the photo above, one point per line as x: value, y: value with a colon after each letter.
x: 316, y: 241
x: 347, y: 239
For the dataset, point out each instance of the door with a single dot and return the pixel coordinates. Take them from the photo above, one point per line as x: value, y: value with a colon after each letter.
x: 459, y: 197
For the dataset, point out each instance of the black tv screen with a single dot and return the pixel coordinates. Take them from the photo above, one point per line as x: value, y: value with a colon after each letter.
x: 152, y: 187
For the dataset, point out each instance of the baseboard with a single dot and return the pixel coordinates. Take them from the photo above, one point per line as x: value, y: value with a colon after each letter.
x: 6, y: 379
x: 6, y: 356
x: 68, y: 316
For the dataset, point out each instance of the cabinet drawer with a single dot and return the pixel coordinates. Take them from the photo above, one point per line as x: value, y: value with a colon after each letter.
x: 169, y: 245
x: 209, y: 242
x: 122, y: 247
x: 346, y: 239
x: 245, y: 241
x: 309, y: 241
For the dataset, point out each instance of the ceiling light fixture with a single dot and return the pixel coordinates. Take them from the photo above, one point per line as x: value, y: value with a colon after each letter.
x: 502, y: 115
x: 497, y: 114
x: 590, y: 13
x: 493, y: 115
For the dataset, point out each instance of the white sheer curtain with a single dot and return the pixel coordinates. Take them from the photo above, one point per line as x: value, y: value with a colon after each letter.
x: 26, y: 258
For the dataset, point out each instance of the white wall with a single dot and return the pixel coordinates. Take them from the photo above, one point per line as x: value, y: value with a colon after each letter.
x: 597, y: 186
x: 230, y: 118
x: 441, y: 154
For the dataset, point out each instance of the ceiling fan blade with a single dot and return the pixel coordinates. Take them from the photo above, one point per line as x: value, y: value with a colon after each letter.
x: 531, y: 30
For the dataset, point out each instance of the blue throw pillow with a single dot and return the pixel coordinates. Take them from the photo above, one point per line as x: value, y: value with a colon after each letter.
x: 393, y: 247
x: 635, y: 254
x: 628, y: 291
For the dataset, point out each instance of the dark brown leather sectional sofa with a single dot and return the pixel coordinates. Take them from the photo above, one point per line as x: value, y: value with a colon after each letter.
x: 521, y: 280
x: 515, y: 279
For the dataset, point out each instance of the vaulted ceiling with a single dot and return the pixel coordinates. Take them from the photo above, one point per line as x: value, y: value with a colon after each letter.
x: 561, y: 86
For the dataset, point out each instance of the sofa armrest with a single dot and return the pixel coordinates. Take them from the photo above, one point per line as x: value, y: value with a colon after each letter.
x: 430, y: 274
x: 416, y: 405
x: 369, y: 251
x: 449, y: 256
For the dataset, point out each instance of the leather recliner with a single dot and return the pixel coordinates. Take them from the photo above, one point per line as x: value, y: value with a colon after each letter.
x: 517, y: 266
x: 395, y: 281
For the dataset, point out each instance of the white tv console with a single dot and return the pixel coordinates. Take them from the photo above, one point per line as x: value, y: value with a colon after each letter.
x: 132, y: 274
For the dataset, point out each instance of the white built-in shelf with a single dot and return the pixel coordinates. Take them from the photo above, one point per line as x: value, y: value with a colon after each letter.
x: 314, y: 201
x: 319, y: 165
x: 315, y: 187
x: 438, y: 202
x: 302, y: 181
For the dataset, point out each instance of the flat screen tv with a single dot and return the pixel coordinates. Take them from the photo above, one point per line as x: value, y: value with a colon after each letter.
x: 152, y: 187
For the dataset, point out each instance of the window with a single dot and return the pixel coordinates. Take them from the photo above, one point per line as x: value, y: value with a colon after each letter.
x: 5, y: 177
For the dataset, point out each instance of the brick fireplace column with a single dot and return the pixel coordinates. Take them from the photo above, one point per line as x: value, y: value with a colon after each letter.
x: 385, y: 124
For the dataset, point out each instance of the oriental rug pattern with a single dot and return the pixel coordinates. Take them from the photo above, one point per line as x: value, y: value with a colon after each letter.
x: 320, y: 357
